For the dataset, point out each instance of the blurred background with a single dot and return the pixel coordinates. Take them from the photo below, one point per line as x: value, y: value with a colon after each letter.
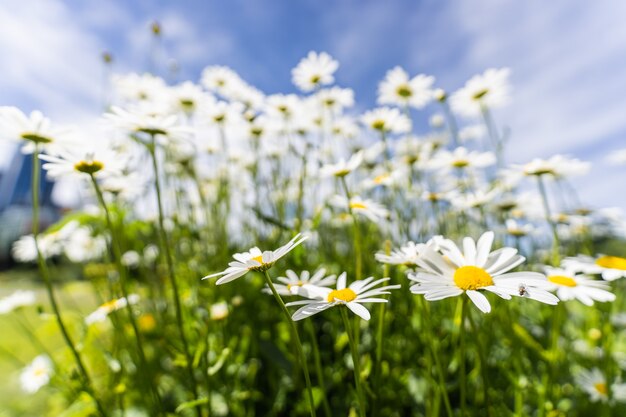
x: 566, y: 59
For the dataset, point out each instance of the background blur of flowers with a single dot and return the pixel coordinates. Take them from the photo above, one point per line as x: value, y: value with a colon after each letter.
x: 566, y: 59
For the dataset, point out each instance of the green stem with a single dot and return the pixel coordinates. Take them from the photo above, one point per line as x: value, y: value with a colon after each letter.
x: 432, y: 348
x: 85, y: 378
x: 355, y: 360
x: 296, y: 338
x: 318, y: 366
x: 115, y: 247
x: 357, y: 233
x: 483, y: 362
x: 170, y: 269
x: 462, y: 358
x: 556, y: 244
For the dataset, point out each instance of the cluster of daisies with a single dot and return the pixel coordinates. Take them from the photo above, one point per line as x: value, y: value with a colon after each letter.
x: 239, y: 165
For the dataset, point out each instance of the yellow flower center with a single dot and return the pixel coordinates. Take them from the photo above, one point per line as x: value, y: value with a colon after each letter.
x: 39, y: 372
x: 601, y: 388
x: 562, y: 280
x: 480, y: 94
x: 471, y: 278
x: 460, y: 163
x: 358, y: 205
x: 259, y: 259
x: 315, y: 79
x: 90, y: 167
x: 109, y: 305
x: 612, y: 262
x: 35, y: 137
x: 297, y: 284
x: 346, y: 295
x: 379, y: 179
x: 378, y: 124
x: 404, y: 91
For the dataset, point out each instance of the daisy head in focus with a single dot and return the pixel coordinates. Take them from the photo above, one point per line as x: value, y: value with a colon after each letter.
x: 32, y: 131
x: 569, y: 285
x: 610, y: 267
x: 255, y: 260
x: 313, y: 71
x: 299, y: 284
x: 36, y: 374
x: 451, y: 272
x: 398, y: 89
x: 352, y: 296
x: 594, y: 383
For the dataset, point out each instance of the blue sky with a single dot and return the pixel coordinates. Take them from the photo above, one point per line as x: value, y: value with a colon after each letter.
x: 567, y: 58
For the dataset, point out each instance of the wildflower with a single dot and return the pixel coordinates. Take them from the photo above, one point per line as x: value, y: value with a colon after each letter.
x: 84, y: 160
x: 407, y: 255
x: 101, y: 313
x: 461, y: 158
x: 343, y: 167
x: 516, y: 229
x: 313, y: 71
x: 19, y: 298
x: 37, y: 374
x: 398, y: 89
x: 219, y: 78
x: 452, y: 273
x: 610, y: 267
x: 595, y: 384
x: 362, y: 291
x: 487, y: 90
x: 32, y: 131
x: 255, y: 260
x: 144, y: 121
x: 569, y: 285
x: 387, y: 120
x: 219, y: 311
x: 136, y: 88
x: 294, y: 284
x: 363, y: 207
x: 557, y: 166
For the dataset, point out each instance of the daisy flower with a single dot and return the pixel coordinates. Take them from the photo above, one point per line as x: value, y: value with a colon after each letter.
x: 407, y: 255
x: 255, y: 260
x: 452, y: 273
x: 610, y: 267
x: 219, y: 78
x: 100, y: 162
x: 558, y: 166
x: 517, y: 229
x: 387, y: 120
x: 461, y: 158
x: 147, y: 122
x: 335, y: 99
x: 343, y: 167
x: 363, y: 207
x: 36, y: 374
x: 19, y: 298
x: 101, y: 313
x: 294, y: 284
x: 32, y: 130
x: 313, y: 71
x: 362, y: 291
x: 569, y: 285
x: 490, y: 90
x: 398, y: 89
x: 134, y: 87
x: 595, y: 384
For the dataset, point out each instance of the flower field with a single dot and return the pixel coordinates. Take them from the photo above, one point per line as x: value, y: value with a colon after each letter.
x: 244, y: 254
